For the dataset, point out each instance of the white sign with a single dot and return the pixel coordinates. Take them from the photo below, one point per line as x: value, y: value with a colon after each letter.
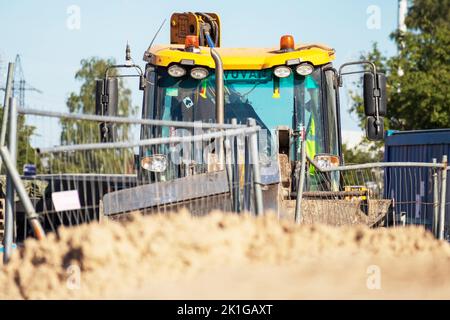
x: 66, y: 200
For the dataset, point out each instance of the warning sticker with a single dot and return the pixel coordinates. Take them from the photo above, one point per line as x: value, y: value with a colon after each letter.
x: 188, y: 102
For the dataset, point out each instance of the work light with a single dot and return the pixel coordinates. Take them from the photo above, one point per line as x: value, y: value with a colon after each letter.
x: 199, y: 73
x: 176, y: 71
x: 326, y: 160
x: 282, y: 71
x: 304, y: 69
x: 155, y: 163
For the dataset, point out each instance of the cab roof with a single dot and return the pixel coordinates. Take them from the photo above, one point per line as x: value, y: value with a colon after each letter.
x: 240, y: 58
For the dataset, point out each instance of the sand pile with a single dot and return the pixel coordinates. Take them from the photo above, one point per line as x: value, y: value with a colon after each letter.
x: 228, y: 256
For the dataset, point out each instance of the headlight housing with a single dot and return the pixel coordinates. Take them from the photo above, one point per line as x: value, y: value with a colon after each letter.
x: 199, y: 73
x: 176, y: 71
x: 304, y: 69
x: 282, y: 71
x: 155, y: 163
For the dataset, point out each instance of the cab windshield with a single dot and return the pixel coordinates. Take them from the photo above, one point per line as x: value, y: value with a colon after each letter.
x: 248, y: 94
x: 290, y: 102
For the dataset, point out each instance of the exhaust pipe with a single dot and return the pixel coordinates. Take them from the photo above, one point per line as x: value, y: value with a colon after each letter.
x: 219, y: 87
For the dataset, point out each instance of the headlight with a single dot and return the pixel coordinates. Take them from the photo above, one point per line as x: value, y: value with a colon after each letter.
x: 176, y: 71
x: 282, y: 71
x: 199, y: 73
x: 155, y: 163
x: 304, y: 69
x: 326, y: 161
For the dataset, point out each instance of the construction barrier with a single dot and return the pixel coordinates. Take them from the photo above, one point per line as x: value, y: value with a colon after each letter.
x: 75, y: 176
x: 377, y: 194
x: 83, y: 168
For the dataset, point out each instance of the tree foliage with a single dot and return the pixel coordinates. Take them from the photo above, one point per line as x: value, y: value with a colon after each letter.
x: 419, y: 75
x: 26, y: 154
x: 360, y: 155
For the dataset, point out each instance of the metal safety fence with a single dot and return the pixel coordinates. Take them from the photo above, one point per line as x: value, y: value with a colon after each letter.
x: 80, y: 168
x: 387, y: 194
x: 74, y: 173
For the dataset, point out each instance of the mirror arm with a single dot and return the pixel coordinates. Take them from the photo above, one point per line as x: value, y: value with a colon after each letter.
x: 369, y: 63
x: 353, y: 72
x: 142, y: 82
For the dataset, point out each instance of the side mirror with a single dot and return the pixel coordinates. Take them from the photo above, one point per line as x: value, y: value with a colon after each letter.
x: 375, y: 98
x: 375, y: 92
x: 375, y: 128
x: 107, y: 104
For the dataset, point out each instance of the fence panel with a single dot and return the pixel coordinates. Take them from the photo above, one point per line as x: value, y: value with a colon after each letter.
x: 378, y: 194
x: 344, y: 197
x: 75, y: 174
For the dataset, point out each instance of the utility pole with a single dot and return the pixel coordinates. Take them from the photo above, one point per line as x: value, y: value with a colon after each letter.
x: 402, y: 13
x: 20, y: 84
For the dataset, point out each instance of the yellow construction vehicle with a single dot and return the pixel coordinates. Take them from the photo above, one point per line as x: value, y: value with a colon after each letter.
x: 291, y: 90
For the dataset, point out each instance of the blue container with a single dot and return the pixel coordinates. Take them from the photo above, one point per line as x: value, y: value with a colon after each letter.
x: 29, y: 170
x: 412, y: 188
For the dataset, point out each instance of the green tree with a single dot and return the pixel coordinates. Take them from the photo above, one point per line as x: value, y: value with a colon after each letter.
x: 419, y: 76
x: 360, y: 155
x: 80, y: 132
x: 26, y: 154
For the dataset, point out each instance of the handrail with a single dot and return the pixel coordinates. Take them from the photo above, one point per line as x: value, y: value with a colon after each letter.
x: 99, y: 118
x: 376, y: 165
x: 149, y: 142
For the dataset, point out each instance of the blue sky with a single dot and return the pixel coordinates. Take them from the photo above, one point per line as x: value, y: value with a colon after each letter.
x: 51, y: 52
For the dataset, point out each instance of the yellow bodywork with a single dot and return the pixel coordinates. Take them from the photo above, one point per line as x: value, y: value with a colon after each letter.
x: 240, y: 58
x: 361, y: 189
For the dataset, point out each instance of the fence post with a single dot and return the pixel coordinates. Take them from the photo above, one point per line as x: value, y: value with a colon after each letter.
x: 6, y: 102
x: 9, y: 203
x: 235, y: 172
x: 247, y: 175
x: 228, y: 166
x: 443, y: 196
x: 254, y: 156
x: 435, y: 200
x: 301, y: 182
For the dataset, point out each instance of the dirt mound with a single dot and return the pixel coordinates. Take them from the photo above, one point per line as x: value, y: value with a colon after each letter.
x: 228, y: 256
